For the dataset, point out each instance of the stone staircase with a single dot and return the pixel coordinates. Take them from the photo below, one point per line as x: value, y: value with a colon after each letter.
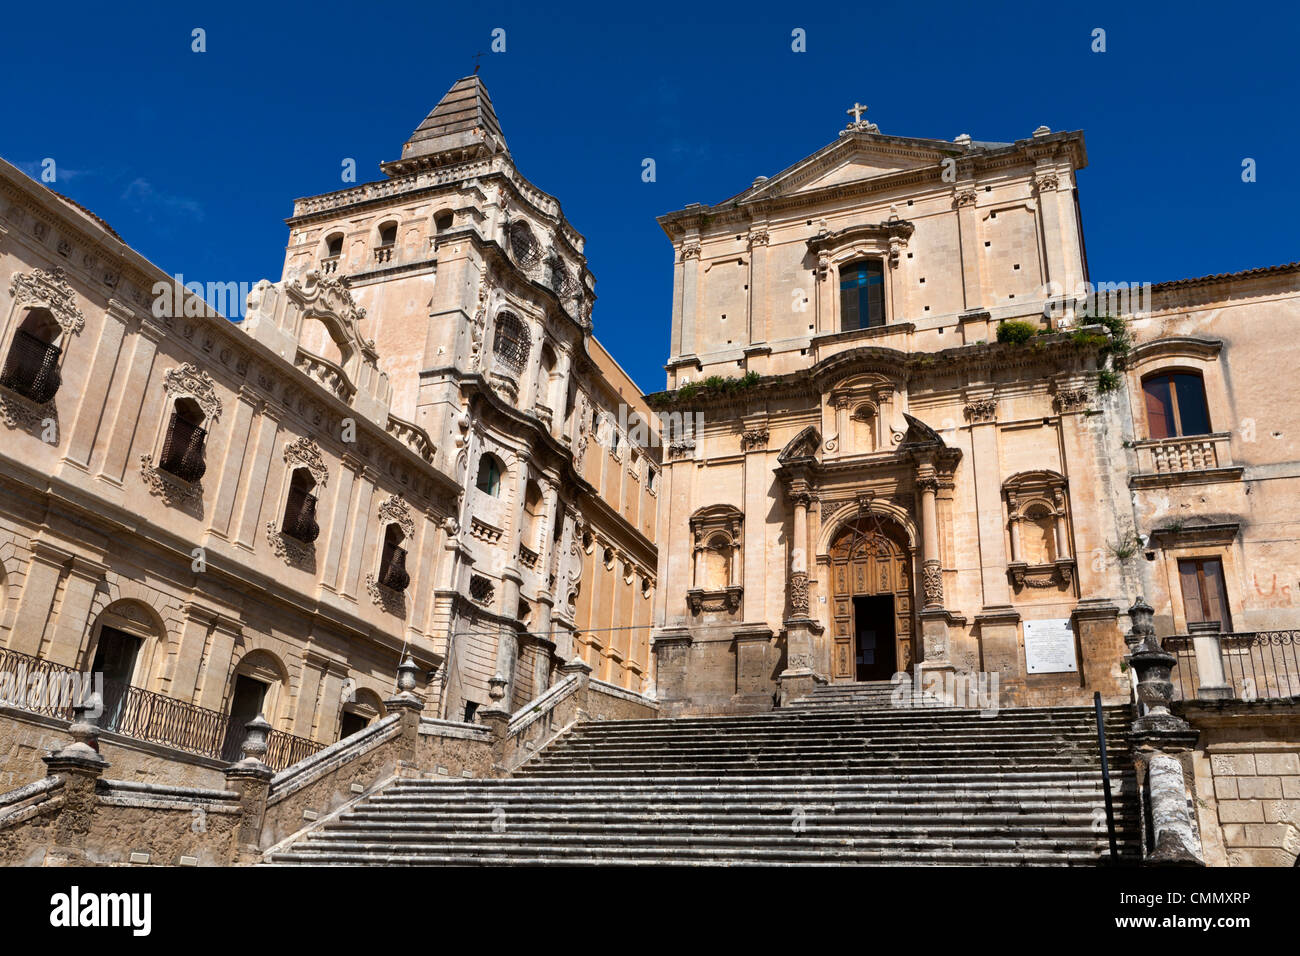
x: 874, y: 695
x: 817, y: 783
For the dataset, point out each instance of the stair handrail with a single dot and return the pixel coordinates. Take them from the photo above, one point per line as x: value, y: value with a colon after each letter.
x: 1105, y: 778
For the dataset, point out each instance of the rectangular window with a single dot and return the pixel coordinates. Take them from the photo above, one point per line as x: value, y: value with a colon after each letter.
x: 1205, y: 595
x: 862, y: 295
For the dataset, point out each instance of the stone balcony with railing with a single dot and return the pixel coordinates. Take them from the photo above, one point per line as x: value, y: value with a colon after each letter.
x: 383, y: 254
x: 1190, y: 459
x: 329, y: 265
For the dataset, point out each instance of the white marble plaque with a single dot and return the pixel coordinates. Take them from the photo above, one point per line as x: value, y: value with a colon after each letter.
x: 1049, y: 646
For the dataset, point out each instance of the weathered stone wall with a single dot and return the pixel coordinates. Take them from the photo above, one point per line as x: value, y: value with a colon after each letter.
x: 25, y: 738
x: 162, y: 829
x: 607, y: 702
x: 447, y: 749
x: 1247, y: 769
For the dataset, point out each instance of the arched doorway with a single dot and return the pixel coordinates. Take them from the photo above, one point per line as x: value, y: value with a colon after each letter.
x: 871, y: 586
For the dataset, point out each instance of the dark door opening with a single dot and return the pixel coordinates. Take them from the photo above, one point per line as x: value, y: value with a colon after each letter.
x: 873, y: 628
x: 352, y: 724
x: 245, y: 704
x: 115, y: 659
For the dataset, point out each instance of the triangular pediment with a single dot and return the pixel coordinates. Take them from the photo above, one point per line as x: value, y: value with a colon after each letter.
x: 854, y: 158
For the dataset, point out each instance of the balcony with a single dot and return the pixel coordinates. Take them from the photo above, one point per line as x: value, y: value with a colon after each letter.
x: 528, y: 556
x: 43, y: 687
x: 384, y: 254
x: 182, y: 453
x: 1193, y: 459
x: 32, y: 368
x: 1248, y: 665
x: 329, y: 265
x: 393, y: 575
x: 300, y: 516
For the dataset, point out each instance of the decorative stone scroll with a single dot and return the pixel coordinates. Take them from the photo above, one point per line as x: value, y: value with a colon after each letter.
x: 981, y: 410
x: 49, y: 290
x: 298, y: 554
x: 304, y: 451
x: 932, y: 583
x: 799, y: 593
x: 192, y: 382
x: 754, y: 438
x: 394, y: 602
x: 395, y: 509
x: 168, y: 487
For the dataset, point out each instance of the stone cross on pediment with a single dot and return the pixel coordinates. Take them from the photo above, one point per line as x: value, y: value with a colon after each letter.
x: 857, y: 110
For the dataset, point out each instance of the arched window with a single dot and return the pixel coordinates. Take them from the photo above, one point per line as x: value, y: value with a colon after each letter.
x: 1175, y: 403
x: 489, y: 476
x: 392, y: 561
x: 532, y: 530
x: 546, y: 377
x: 300, y: 508
x: 650, y: 477
x: 333, y: 251
x: 524, y: 245
x: 182, y: 453
x: 443, y: 221
x: 32, y: 366
x: 387, y: 239
x: 862, y: 295
x: 511, y: 342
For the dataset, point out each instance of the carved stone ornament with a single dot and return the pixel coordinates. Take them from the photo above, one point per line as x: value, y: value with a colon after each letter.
x: 725, y: 599
x: 168, y: 487
x: 50, y: 290
x: 964, y: 197
x: 1070, y: 399
x: 754, y: 438
x: 298, y: 554
x: 1047, y: 181
x: 759, y: 237
x: 394, y: 602
x: 932, y: 583
x: 799, y: 593
x: 193, y: 382
x: 982, y: 410
x: 681, y: 449
x: 304, y: 451
x: 19, y: 411
x: 690, y: 251
x: 1059, y: 574
x: 395, y: 509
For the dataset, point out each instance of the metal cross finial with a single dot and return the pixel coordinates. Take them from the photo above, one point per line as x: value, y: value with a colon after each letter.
x: 857, y: 110
x: 476, y: 62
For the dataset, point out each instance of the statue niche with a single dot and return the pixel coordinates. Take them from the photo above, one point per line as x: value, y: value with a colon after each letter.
x: 716, y: 556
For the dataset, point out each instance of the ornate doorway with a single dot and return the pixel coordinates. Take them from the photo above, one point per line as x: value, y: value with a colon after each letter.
x: 869, y: 559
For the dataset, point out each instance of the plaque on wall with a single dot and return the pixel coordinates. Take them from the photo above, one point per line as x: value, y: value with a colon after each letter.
x: 1049, y: 646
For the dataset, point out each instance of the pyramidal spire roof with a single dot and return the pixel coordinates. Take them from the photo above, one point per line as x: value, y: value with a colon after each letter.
x: 462, y: 126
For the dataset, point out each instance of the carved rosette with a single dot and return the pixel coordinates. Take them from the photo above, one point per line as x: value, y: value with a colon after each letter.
x: 799, y: 593
x: 394, y: 602
x: 295, y: 553
x: 395, y: 509
x: 50, y: 290
x: 192, y: 382
x: 932, y: 583
x: 304, y: 451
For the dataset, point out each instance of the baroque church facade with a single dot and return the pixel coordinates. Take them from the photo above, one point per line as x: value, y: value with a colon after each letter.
x: 408, y: 446
x: 927, y: 448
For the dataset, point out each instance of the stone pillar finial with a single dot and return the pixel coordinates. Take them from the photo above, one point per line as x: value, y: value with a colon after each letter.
x: 84, y: 729
x: 1153, y: 666
x: 408, y: 676
x: 496, y: 689
x: 256, y: 740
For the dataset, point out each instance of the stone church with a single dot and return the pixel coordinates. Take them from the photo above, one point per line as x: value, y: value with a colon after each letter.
x: 408, y: 445
x: 933, y: 442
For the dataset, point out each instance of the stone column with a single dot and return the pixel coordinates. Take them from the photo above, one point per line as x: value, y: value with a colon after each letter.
x: 971, y: 250
x: 408, y: 704
x: 690, y: 292
x: 758, y: 305
x: 799, y: 676
x: 936, y: 652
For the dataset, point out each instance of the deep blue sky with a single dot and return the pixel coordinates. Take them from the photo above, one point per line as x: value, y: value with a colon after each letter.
x: 196, y: 158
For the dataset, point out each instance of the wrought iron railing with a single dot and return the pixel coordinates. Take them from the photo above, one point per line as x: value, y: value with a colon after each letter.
x: 31, y: 368
x: 182, y: 453
x: 43, y: 687
x: 393, y: 574
x: 300, y: 516
x: 1255, y: 664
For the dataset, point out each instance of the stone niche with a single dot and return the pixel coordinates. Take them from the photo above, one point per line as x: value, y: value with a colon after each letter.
x: 716, y: 554
x: 1038, y: 532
